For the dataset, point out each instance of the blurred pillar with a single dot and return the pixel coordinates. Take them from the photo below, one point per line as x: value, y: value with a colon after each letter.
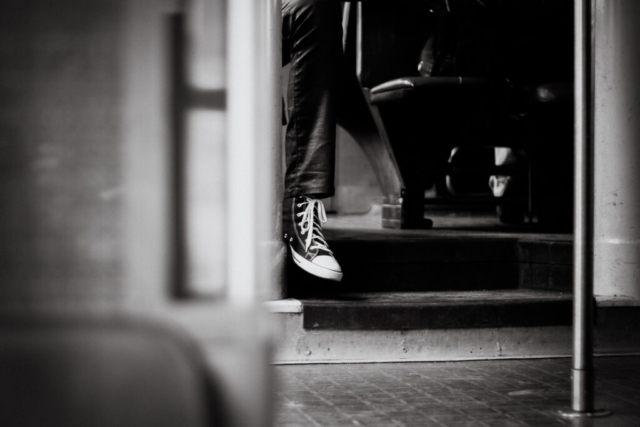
x: 617, y: 149
x: 147, y: 153
x: 255, y: 253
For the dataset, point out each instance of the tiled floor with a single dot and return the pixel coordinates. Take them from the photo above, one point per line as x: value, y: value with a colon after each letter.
x: 483, y: 393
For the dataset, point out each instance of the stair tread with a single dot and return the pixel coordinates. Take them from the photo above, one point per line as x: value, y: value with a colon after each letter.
x: 387, y: 234
x: 437, y: 310
x: 500, y: 296
x: 440, y: 260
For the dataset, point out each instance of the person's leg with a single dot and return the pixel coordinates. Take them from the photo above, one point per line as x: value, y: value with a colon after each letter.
x: 312, y: 44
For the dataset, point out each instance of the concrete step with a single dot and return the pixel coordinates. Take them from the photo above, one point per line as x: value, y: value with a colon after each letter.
x: 437, y: 310
x: 440, y: 260
x: 444, y: 326
x: 442, y: 294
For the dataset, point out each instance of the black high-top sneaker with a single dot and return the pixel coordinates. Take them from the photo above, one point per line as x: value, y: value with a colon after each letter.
x: 302, y: 226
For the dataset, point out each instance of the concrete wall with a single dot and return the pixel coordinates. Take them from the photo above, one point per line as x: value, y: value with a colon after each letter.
x: 617, y: 149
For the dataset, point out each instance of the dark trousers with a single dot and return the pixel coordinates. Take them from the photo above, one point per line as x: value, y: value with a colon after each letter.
x: 312, y: 44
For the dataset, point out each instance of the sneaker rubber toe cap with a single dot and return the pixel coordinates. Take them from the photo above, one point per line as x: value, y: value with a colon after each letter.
x: 328, y: 262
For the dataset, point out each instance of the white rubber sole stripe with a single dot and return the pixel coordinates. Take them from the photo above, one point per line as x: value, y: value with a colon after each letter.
x: 314, y: 269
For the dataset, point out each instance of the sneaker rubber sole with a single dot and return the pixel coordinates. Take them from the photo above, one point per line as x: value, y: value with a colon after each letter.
x: 316, y: 270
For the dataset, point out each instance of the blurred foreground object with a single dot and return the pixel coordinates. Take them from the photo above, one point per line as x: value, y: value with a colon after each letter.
x: 113, y: 220
x: 84, y: 371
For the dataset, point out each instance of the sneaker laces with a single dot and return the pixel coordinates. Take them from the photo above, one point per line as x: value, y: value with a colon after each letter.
x: 309, y: 226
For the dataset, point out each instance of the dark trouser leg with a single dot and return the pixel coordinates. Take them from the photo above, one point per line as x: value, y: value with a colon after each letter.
x: 312, y: 43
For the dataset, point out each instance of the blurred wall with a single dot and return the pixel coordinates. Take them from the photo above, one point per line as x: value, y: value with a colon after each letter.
x: 112, y: 176
x: 112, y: 171
x: 61, y: 91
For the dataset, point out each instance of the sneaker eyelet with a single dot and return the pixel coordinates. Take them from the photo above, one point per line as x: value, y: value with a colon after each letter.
x: 291, y: 239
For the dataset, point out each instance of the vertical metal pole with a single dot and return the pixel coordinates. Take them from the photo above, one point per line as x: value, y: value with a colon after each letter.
x: 582, y: 374
x: 582, y: 370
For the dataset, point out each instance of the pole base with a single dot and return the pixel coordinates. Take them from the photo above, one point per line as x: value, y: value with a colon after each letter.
x: 596, y: 413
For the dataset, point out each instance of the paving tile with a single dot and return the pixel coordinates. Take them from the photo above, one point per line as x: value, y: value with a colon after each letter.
x: 451, y: 417
x: 507, y: 423
x: 492, y: 393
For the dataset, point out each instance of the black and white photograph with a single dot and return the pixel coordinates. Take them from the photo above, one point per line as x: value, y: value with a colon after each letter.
x: 319, y: 213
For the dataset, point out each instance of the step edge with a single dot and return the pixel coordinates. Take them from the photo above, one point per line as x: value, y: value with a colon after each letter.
x: 287, y: 305
x: 616, y: 301
x: 442, y: 359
